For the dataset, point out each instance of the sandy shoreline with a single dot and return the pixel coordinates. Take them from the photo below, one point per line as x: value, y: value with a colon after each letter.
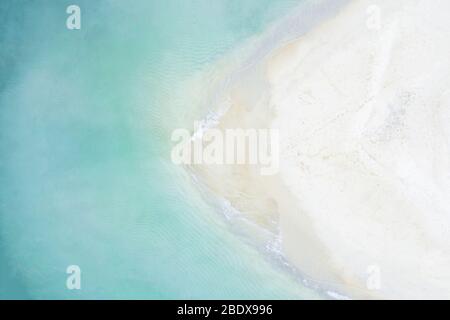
x: 362, y: 109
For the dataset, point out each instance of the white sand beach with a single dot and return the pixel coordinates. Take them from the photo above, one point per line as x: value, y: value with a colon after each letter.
x: 362, y: 102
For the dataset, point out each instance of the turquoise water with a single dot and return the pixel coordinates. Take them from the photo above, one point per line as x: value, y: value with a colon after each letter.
x: 86, y: 177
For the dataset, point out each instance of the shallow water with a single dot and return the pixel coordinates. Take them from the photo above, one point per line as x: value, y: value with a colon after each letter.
x: 86, y: 177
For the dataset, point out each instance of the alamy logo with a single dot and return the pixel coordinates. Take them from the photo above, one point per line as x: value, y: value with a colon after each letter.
x: 374, y: 277
x: 230, y: 146
x: 373, y: 21
x: 73, y: 21
x: 73, y: 281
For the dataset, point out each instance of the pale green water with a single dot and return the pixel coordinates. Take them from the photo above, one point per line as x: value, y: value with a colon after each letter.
x: 86, y: 177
